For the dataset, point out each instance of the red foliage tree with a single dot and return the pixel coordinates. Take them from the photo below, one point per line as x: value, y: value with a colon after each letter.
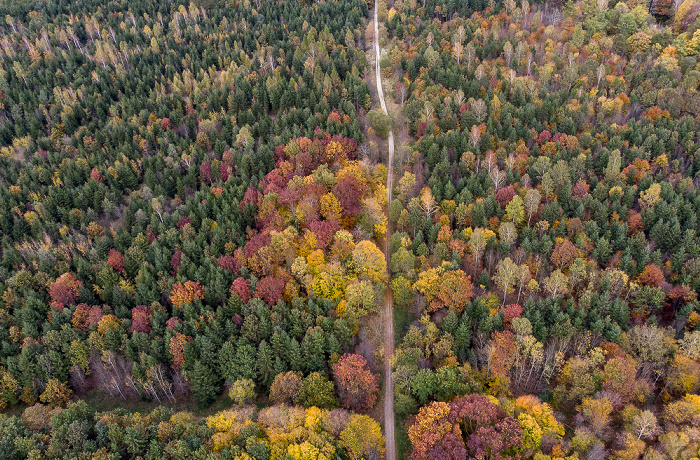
x: 96, y: 175
x: 270, y: 290
x: 241, y: 288
x: 349, y: 193
x: 226, y: 169
x: 580, y: 189
x: 141, y: 319
x: 420, y: 131
x: 450, y: 447
x: 324, y: 231
x: 205, y: 172
x: 304, y: 163
x: 255, y: 243
x: 564, y: 254
x: 487, y: 430
x: 500, y: 441
x: 115, y: 259
x: 509, y: 312
x: 289, y: 198
x: 184, y: 220
x: 175, y: 262
x: 275, y: 181
x: 634, y: 222
x: 173, y: 323
x: 504, y: 195
x: 474, y: 411
x: 229, y: 263
x: 676, y: 298
x: 65, y: 290
x: 94, y: 316
x: 252, y: 196
x: 651, y: 276
x: 429, y: 430
x: 237, y: 320
x: 335, y: 116
x: 559, y: 137
x: 357, y: 386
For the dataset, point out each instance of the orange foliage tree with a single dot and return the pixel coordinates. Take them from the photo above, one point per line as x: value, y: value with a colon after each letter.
x: 177, y: 348
x: 187, y: 292
x: 357, y: 386
x: 651, y: 276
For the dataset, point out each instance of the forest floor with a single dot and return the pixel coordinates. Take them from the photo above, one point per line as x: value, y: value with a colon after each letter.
x: 388, y: 295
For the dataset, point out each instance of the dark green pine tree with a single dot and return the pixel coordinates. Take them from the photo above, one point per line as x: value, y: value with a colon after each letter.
x: 205, y: 383
x: 296, y: 360
x: 463, y: 338
x: 312, y: 349
x: 450, y: 323
x: 245, y: 362
x: 227, y: 361
x: 265, y: 364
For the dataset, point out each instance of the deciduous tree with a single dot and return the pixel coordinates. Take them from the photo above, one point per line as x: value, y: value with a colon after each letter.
x: 65, y: 290
x: 369, y: 262
x: 357, y: 386
x: 317, y: 390
x: 185, y: 293
x: 242, y: 392
x: 564, y: 254
x: 286, y: 387
x: 506, y: 276
x: 362, y: 437
x: 56, y: 393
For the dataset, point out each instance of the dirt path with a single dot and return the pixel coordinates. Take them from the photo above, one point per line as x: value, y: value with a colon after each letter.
x: 388, y: 297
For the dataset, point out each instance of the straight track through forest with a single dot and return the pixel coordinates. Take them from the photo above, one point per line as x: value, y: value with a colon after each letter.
x: 389, y: 424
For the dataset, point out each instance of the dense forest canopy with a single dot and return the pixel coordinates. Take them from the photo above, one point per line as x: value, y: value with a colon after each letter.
x: 164, y: 164
x: 194, y: 201
x: 546, y: 229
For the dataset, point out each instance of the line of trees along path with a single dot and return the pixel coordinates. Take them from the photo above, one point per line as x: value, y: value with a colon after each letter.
x: 388, y: 296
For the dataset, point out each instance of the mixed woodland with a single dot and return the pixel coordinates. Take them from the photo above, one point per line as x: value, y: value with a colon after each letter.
x: 193, y: 201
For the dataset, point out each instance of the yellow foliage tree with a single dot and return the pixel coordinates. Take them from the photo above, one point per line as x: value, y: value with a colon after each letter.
x: 428, y: 283
x: 330, y: 283
x: 362, y: 438
x: 369, y: 262
x: 330, y: 207
x: 305, y: 451
x: 536, y: 419
x: 228, y: 425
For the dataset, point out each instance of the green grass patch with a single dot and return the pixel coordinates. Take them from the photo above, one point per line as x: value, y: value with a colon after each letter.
x: 97, y: 401
x: 402, y: 320
x: 403, y: 445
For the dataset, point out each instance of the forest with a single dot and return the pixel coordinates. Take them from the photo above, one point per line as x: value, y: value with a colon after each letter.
x: 197, y: 240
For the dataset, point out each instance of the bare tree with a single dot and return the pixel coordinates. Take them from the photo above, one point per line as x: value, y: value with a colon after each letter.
x: 498, y: 178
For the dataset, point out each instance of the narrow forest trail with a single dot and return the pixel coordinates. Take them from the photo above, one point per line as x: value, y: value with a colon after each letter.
x: 389, y: 424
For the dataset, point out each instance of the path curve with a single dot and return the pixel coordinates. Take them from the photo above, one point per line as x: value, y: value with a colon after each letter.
x: 389, y: 424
